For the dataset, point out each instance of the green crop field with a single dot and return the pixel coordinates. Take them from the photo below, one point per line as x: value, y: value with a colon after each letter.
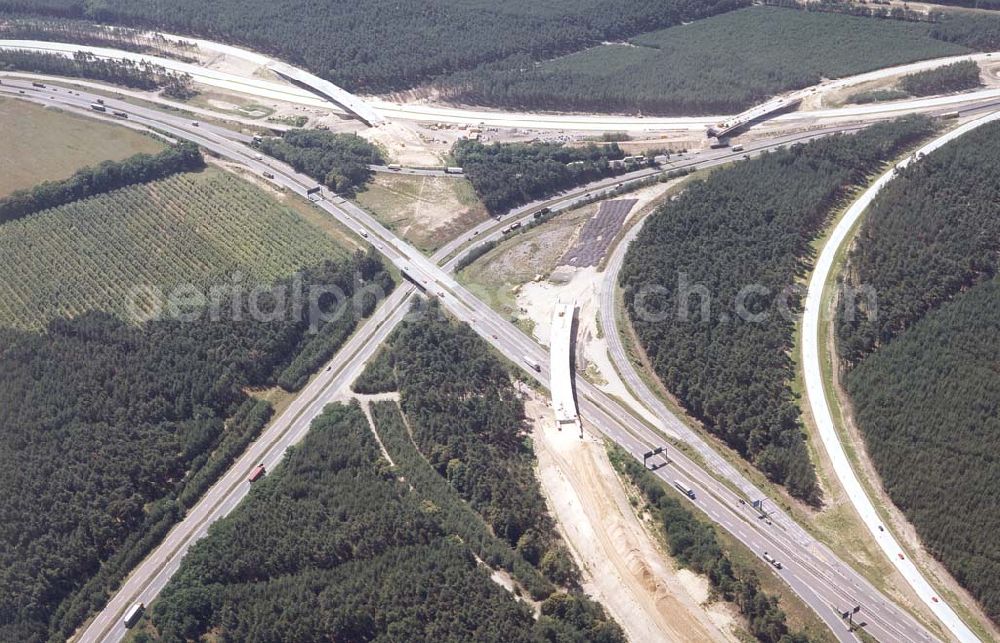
x: 718, y: 65
x: 49, y: 144
x: 198, y: 227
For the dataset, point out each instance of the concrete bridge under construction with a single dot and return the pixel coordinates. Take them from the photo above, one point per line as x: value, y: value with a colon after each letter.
x: 772, y: 107
x: 561, y: 368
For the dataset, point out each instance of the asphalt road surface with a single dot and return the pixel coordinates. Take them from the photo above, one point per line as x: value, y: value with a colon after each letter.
x: 817, y: 394
x: 809, y: 568
x: 375, y: 111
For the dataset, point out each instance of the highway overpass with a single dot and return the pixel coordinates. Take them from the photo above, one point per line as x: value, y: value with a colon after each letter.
x: 561, y: 367
x: 811, y: 569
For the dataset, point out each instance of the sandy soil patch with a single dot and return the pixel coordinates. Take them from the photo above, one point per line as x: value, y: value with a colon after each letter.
x: 623, y: 566
x: 426, y: 210
x: 411, y: 144
x: 237, y: 66
x: 537, y: 299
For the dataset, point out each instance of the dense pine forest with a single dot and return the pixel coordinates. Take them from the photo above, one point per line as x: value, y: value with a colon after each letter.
x: 929, y: 407
x: 381, y: 45
x: 956, y: 77
x: 110, y: 431
x: 84, y: 32
x: 468, y: 421
x: 373, y: 551
x: 330, y: 547
x: 465, y: 451
x: 740, y: 240
x: 689, y: 69
x: 338, y: 161
x: 506, y: 175
x: 922, y: 370
x: 932, y: 232
x: 642, y: 56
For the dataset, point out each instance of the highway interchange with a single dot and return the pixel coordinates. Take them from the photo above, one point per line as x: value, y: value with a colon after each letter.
x: 828, y: 585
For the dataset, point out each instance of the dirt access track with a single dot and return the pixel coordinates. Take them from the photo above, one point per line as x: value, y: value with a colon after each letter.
x: 623, y: 565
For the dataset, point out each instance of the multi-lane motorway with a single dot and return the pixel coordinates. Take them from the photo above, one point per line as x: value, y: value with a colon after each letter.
x: 375, y: 111
x: 825, y: 583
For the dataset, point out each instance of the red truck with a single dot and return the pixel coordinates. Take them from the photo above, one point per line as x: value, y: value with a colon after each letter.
x: 257, y: 473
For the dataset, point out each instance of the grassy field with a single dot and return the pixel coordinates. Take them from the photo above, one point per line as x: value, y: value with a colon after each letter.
x: 717, y: 65
x: 197, y: 228
x: 51, y: 144
x: 427, y: 211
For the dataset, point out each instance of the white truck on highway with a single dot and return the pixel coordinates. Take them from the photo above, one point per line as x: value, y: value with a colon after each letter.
x: 535, y: 366
x: 453, y: 170
x: 684, y: 488
x: 133, y: 614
